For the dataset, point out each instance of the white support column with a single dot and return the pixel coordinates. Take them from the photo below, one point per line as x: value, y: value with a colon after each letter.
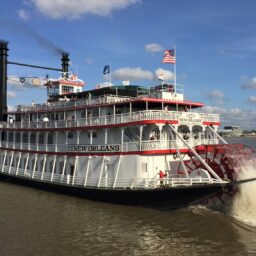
x: 90, y: 136
x: 86, y: 115
x: 141, y: 130
x: 191, y: 138
x: 64, y: 167
x: 18, y: 164
x: 34, y: 167
x: 106, y: 136
x: 29, y: 134
x: 74, y: 174
x: 66, y: 139
x: 202, y: 138
x: 14, y: 140
x: 77, y: 137
x: 117, y: 170
x: 37, y: 138
x: 10, y: 164
x: 7, y: 139
x: 114, y: 114
x: 42, y: 175
x: 122, y: 139
x: 26, y: 165
x: 53, y: 167
x: 21, y: 139
x: 56, y: 141
x: 101, y: 171
x: 160, y: 127
x: 87, y: 171
x: 3, y: 164
x: 46, y: 141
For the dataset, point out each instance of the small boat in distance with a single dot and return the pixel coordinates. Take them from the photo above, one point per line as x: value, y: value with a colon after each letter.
x: 125, y: 144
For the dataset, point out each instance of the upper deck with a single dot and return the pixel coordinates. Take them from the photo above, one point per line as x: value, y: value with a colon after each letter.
x: 115, y: 95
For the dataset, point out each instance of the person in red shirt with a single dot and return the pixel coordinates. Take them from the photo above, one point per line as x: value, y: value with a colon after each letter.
x: 161, y: 176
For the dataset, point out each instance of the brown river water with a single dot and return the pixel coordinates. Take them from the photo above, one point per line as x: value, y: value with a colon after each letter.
x: 34, y: 222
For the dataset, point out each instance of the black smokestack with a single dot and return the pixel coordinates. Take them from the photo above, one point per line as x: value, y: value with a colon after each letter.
x: 65, y: 64
x: 3, y: 80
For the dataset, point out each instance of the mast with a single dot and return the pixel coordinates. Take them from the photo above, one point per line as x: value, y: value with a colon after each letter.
x: 3, y: 80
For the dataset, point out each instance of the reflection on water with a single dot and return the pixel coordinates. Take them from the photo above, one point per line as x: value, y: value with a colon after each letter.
x: 34, y: 222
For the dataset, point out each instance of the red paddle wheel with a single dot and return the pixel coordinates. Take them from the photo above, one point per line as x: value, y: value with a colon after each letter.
x: 226, y: 160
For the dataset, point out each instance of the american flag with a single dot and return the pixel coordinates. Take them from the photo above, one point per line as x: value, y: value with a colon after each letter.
x: 169, y: 57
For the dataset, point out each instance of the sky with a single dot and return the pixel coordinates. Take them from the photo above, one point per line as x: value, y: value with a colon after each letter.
x: 215, y: 45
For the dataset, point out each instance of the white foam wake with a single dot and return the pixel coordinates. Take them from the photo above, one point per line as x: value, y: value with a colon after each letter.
x: 244, y: 203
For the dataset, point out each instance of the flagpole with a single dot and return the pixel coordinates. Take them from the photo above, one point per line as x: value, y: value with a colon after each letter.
x: 174, y: 68
x: 110, y: 73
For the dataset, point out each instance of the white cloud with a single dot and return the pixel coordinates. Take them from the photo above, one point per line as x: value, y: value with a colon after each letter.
x: 247, y: 82
x: 138, y: 73
x: 132, y: 74
x: 217, y: 96
x: 74, y: 9
x: 252, y: 100
x: 153, y: 48
x: 11, y: 94
x: 164, y: 74
x: 23, y: 14
x: 246, y: 119
x: 89, y: 61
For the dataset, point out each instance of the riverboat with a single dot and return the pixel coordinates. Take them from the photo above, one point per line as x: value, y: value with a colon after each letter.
x: 126, y: 144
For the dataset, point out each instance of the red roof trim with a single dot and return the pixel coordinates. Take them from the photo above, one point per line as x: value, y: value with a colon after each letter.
x: 190, y: 103
x: 212, y: 123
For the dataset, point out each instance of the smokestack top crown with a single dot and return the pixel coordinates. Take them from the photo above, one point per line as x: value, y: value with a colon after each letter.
x: 4, y: 45
x: 65, y: 64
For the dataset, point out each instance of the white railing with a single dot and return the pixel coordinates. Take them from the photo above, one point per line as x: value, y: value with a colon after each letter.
x: 132, y: 183
x: 182, y: 117
x: 72, y: 103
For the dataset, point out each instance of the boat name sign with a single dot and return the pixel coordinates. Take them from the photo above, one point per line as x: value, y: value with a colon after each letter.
x: 93, y: 148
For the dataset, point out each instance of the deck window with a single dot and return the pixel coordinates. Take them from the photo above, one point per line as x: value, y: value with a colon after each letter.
x: 50, y: 138
x: 17, y: 137
x: 33, y: 138
x: 41, y: 138
x: 10, y: 139
x: 25, y: 138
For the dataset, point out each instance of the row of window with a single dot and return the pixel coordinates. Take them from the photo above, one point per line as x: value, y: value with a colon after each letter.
x: 41, y: 137
x: 24, y: 138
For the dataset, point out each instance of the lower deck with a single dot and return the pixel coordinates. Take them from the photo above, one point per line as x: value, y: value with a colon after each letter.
x: 117, y: 171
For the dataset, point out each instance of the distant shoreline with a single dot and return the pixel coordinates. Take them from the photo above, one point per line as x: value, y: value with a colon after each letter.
x: 242, y: 136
